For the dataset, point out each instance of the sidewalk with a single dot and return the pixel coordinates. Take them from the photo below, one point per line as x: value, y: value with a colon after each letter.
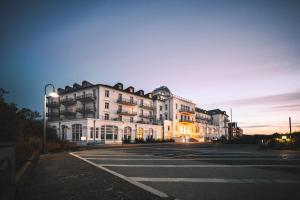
x: 61, y: 176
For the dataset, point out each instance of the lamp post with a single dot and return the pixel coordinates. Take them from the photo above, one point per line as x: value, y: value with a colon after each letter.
x: 54, y: 95
x: 123, y: 127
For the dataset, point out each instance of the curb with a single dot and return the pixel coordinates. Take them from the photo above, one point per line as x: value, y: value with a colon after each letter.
x: 24, y: 172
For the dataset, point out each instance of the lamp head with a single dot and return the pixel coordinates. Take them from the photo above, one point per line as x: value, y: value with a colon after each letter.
x: 53, y: 94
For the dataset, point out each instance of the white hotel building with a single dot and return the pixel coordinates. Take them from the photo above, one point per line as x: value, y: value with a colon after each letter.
x: 107, y: 114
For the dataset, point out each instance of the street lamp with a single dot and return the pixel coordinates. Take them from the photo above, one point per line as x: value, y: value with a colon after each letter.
x: 54, y: 95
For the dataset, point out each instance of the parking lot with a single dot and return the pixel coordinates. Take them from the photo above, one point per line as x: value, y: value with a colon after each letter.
x: 199, y: 171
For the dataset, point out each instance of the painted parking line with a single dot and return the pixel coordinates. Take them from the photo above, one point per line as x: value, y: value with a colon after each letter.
x: 213, y: 180
x: 195, y: 159
x: 112, y: 155
x: 200, y: 166
x: 138, y: 184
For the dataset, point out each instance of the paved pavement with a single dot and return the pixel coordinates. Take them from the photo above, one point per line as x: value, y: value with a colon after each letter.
x: 199, y: 171
x: 63, y: 177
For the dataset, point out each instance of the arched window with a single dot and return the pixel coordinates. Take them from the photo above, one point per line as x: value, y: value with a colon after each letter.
x: 139, y: 133
x: 127, y: 133
x: 76, y: 132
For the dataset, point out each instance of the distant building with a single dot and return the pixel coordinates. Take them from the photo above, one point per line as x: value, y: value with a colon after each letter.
x: 106, y: 114
x: 234, y: 131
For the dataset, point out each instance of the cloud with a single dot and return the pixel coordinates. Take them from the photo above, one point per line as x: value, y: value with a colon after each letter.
x: 256, y: 126
x: 283, y: 98
x: 291, y: 107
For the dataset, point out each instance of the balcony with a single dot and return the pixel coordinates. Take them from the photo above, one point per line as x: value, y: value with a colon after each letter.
x: 146, y: 116
x: 126, y: 113
x: 127, y: 102
x: 86, y: 98
x: 186, y: 120
x: 68, y: 113
x: 186, y: 111
x: 86, y: 110
x: 52, y: 114
x: 147, y: 106
x: 68, y: 101
x: 53, y: 104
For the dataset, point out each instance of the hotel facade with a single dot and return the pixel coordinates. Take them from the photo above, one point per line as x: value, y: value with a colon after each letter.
x: 107, y: 114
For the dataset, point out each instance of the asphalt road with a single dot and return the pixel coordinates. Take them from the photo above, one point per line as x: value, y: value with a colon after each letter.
x: 200, y: 171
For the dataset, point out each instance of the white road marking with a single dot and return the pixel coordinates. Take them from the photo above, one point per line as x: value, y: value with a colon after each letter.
x: 212, y: 180
x: 174, y: 159
x: 138, y: 184
x: 112, y: 155
x: 201, y: 166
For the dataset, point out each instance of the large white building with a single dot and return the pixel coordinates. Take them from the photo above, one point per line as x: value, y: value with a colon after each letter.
x: 109, y: 114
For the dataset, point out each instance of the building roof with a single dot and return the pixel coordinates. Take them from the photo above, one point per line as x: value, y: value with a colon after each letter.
x: 86, y: 85
x: 216, y: 112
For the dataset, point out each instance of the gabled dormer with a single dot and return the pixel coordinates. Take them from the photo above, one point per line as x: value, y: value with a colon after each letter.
x: 140, y: 93
x: 118, y: 86
x: 130, y: 89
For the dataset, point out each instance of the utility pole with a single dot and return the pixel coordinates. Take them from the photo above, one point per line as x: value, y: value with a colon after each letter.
x: 290, y: 122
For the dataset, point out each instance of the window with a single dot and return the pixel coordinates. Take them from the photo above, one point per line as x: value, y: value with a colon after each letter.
x: 94, y: 92
x: 127, y: 133
x: 176, y: 106
x: 131, y: 99
x: 97, y: 132
x: 160, y: 108
x: 120, y: 96
x: 106, y: 116
x: 106, y: 93
x: 76, y: 132
x: 160, y: 117
x: 91, y: 132
x: 120, y: 117
x: 102, y: 132
x: 168, y: 128
x: 108, y: 132
x: 106, y: 105
x: 159, y: 135
x: 131, y: 119
x: 139, y: 133
x: 166, y: 116
x: 166, y: 106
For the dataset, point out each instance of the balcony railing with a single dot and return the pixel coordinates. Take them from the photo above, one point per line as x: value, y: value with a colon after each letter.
x: 186, y: 120
x: 68, y: 113
x: 53, y: 104
x: 86, y: 110
x: 52, y: 114
x: 146, y: 116
x: 86, y: 98
x: 127, y: 113
x: 68, y: 101
x: 128, y: 102
x: 187, y: 111
x: 146, y: 106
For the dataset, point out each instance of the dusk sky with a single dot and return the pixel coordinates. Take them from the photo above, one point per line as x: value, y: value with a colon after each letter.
x: 243, y: 55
